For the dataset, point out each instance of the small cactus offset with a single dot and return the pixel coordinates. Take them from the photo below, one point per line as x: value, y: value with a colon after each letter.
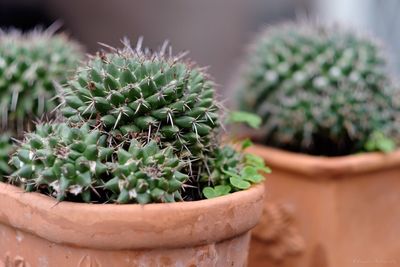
x: 139, y: 127
x: 29, y: 65
x: 319, y: 89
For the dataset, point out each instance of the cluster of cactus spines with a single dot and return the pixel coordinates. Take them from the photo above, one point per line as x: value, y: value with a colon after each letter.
x: 76, y: 164
x: 137, y: 93
x: 29, y: 65
x: 145, y: 174
x: 6, y: 149
x: 319, y: 89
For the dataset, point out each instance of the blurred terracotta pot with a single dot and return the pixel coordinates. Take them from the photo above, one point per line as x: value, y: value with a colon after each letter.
x: 329, y: 211
x: 37, y: 231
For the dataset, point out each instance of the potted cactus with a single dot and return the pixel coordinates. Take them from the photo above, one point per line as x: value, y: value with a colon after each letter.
x: 329, y: 111
x: 139, y: 128
x: 30, y: 63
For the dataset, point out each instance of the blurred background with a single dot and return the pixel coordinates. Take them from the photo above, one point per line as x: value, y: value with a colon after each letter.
x: 215, y: 31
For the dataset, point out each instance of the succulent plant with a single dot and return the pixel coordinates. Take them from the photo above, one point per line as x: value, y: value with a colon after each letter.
x: 6, y: 148
x: 75, y: 163
x: 136, y: 93
x: 139, y: 127
x: 29, y: 64
x: 319, y: 89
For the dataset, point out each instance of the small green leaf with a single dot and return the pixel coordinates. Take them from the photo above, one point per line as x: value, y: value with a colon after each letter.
x: 264, y: 169
x: 209, y: 192
x: 219, y: 190
x: 250, y: 119
x: 239, y: 183
x: 379, y: 142
x: 386, y: 145
x: 254, y: 178
x: 246, y: 143
x: 222, y: 190
x: 248, y: 171
x: 254, y: 160
x: 231, y: 173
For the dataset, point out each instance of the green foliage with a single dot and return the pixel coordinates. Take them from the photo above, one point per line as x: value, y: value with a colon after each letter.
x: 318, y: 89
x: 29, y: 65
x: 252, y: 120
x: 232, y: 171
x: 379, y: 142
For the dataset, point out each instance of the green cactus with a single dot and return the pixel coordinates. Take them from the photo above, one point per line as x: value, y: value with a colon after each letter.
x: 139, y: 127
x: 29, y: 64
x: 319, y: 89
x: 76, y: 164
x: 6, y: 148
x: 146, y: 95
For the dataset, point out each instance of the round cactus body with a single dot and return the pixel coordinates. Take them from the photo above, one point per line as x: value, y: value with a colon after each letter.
x: 29, y: 65
x: 319, y: 89
x: 131, y: 93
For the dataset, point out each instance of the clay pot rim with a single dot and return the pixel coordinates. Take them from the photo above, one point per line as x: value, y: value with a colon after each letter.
x: 130, y: 226
x: 324, y: 166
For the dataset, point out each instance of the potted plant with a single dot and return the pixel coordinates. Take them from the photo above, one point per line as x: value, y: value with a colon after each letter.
x: 329, y: 111
x: 30, y: 63
x: 139, y: 128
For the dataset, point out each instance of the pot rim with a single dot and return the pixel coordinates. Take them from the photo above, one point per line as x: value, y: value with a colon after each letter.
x: 131, y: 226
x: 324, y: 166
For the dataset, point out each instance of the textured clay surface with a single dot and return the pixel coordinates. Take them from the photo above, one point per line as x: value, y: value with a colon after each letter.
x: 26, y: 250
x: 344, y: 209
x: 35, y: 231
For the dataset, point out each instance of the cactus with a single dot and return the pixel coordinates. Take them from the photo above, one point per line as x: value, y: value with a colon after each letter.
x: 139, y: 127
x: 29, y: 64
x: 135, y: 93
x: 76, y: 164
x: 6, y: 148
x: 319, y: 89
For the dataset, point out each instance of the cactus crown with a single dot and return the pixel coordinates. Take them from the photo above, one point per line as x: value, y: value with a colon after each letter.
x: 319, y: 89
x: 140, y: 127
x: 29, y: 64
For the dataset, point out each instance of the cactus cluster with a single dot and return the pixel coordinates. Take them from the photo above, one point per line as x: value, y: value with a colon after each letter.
x: 137, y: 127
x: 320, y: 89
x: 76, y: 163
x: 29, y: 65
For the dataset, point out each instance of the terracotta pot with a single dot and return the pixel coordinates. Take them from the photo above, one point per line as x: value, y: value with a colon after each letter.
x: 37, y: 231
x: 329, y: 211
